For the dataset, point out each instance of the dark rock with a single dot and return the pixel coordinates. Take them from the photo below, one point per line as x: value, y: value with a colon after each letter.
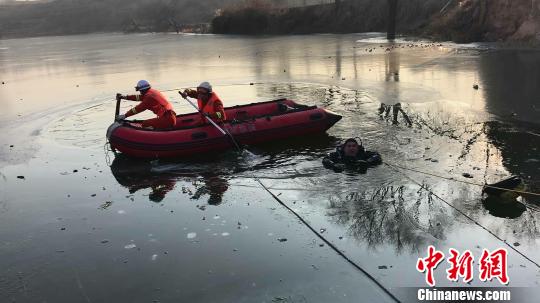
x: 517, y: 244
x: 282, y: 239
x: 63, y: 228
x: 20, y: 177
x: 475, y: 86
x: 383, y: 267
x: 104, y: 241
x: 75, y: 170
x: 467, y: 175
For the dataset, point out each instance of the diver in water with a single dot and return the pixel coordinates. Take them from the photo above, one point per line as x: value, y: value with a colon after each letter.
x: 351, y: 155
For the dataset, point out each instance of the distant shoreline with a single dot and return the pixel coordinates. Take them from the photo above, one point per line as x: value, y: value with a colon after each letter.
x: 470, y: 21
x: 521, y: 45
x: 461, y: 22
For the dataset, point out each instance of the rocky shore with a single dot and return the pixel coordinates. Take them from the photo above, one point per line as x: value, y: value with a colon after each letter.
x: 495, y: 20
x: 460, y: 21
x: 463, y: 21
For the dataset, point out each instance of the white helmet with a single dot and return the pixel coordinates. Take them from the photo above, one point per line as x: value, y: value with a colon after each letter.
x: 206, y: 86
x: 142, y: 85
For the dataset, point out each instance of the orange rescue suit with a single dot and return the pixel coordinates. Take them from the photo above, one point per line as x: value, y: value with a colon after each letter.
x: 155, y: 101
x: 213, y: 107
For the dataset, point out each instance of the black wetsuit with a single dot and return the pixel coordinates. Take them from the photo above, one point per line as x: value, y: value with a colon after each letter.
x: 338, y: 161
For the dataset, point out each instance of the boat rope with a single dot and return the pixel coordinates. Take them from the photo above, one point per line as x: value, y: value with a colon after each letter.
x: 395, y: 168
x: 217, y: 85
x: 107, y: 149
x: 303, y: 221
x: 337, y: 250
x: 472, y: 183
x: 466, y: 182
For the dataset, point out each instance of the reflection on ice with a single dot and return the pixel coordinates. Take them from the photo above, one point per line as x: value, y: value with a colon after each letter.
x: 404, y: 217
x: 486, y: 134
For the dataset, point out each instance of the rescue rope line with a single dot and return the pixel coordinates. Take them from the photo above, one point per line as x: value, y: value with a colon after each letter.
x: 303, y: 221
x: 463, y: 181
x: 446, y: 178
x: 466, y: 216
x: 339, y: 252
x: 536, y: 209
x: 217, y: 85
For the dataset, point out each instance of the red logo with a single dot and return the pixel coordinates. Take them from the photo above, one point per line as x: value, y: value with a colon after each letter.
x: 491, y: 265
x: 461, y: 266
x: 494, y: 265
x: 430, y: 263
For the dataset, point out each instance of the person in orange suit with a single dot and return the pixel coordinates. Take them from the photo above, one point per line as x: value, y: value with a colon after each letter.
x: 208, y: 101
x: 151, y: 99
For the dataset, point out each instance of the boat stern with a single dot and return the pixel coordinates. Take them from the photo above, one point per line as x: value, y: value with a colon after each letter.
x: 112, y: 128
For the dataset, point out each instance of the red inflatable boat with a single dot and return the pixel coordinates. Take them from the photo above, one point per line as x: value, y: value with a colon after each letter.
x: 248, y: 124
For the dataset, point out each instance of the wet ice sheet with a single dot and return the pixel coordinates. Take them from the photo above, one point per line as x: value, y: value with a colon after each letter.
x: 73, y: 236
x: 72, y: 215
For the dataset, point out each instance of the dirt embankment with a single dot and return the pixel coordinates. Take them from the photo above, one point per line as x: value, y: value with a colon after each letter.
x: 345, y: 16
x: 457, y: 20
x: 493, y: 20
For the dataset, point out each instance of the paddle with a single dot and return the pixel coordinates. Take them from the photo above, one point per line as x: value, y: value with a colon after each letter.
x: 117, y: 111
x: 223, y: 131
